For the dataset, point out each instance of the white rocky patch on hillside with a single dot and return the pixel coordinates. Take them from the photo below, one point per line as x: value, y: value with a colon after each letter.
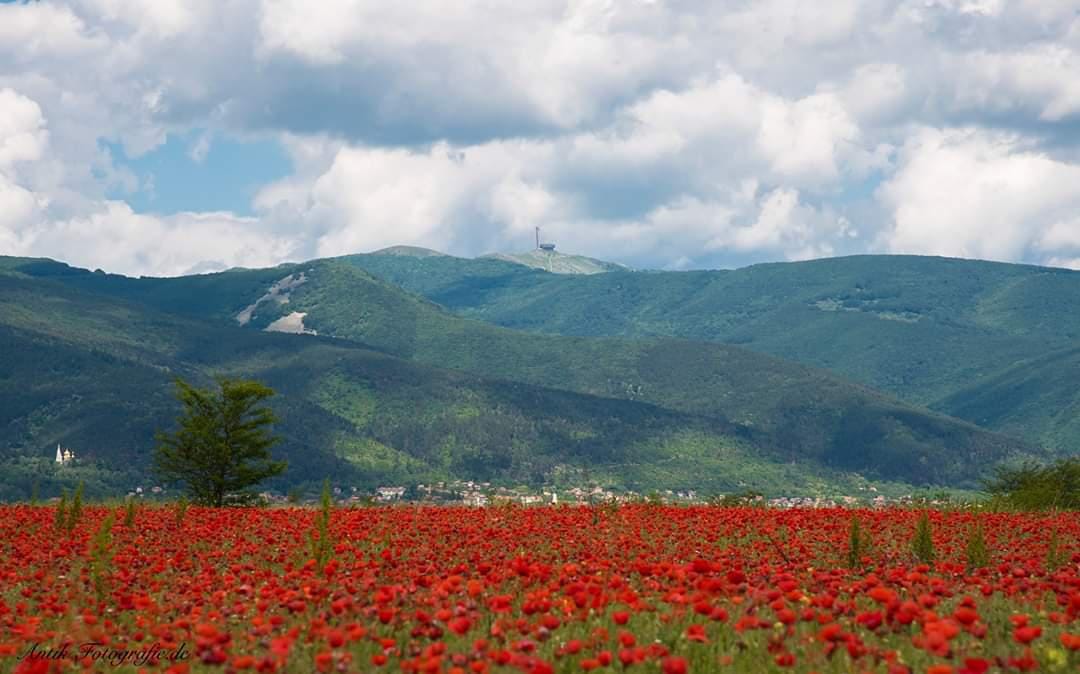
x: 293, y: 324
x: 279, y: 292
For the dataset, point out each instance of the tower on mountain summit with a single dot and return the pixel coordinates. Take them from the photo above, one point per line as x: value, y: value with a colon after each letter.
x: 549, y: 247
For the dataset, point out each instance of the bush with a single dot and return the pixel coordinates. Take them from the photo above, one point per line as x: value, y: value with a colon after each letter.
x: 1035, y: 487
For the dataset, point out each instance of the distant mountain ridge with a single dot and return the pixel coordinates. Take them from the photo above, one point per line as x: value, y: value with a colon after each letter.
x: 929, y: 330
x: 409, y: 251
x: 559, y: 263
x: 552, y: 261
x: 94, y: 372
x: 694, y: 406
x: 684, y: 413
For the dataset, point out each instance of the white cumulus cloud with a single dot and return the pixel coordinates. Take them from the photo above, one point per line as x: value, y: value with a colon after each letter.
x: 666, y: 133
x: 973, y: 193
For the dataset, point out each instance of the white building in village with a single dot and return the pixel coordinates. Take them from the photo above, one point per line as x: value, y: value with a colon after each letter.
x: 64, y: 456
x: 389, y: 493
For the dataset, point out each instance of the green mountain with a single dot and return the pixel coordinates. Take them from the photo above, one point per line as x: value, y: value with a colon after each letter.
x: 547, y: 260
x: 697, y: 396
x: 409, y: 251
x: 932, y: 331
x: 1039, y: 393
x: 94, y: 373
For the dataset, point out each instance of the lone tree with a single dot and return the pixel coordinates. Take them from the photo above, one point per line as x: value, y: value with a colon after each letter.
x: 222, y: 446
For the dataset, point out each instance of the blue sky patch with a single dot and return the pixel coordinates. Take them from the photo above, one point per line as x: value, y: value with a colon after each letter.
x: 226, y: 177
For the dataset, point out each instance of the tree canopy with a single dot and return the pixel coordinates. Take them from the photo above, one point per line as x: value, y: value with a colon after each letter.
x: 221, y: 448
x: 1035, y: 487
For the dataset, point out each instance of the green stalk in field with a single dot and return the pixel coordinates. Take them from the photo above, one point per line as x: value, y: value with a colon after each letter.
x: 322, y: 547
x: 101, y: 558
x: 61, y: 512
x: 181, y: 511
x: 923, y: 544
x: 129, y: 514
x: 75, y: 514
x: 858, y: 544
x: 977, y: 553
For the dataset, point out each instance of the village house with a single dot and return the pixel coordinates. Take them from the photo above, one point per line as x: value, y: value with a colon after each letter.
x: 475, y: 499
x: 389, y: 493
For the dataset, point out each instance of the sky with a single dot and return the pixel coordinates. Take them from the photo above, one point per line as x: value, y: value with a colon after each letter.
x: 182, y: 136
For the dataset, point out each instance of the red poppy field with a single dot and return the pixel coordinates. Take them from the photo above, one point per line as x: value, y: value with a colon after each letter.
x: 641, y: 588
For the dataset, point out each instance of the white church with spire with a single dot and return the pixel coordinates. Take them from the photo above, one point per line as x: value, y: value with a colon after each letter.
x: 64, y: 456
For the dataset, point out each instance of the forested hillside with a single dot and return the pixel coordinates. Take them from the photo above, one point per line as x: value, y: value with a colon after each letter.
x: 465, y: 398
x: 932, y: 331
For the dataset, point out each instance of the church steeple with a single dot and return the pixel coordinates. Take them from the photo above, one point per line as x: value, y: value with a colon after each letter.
x: 59, y: 454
